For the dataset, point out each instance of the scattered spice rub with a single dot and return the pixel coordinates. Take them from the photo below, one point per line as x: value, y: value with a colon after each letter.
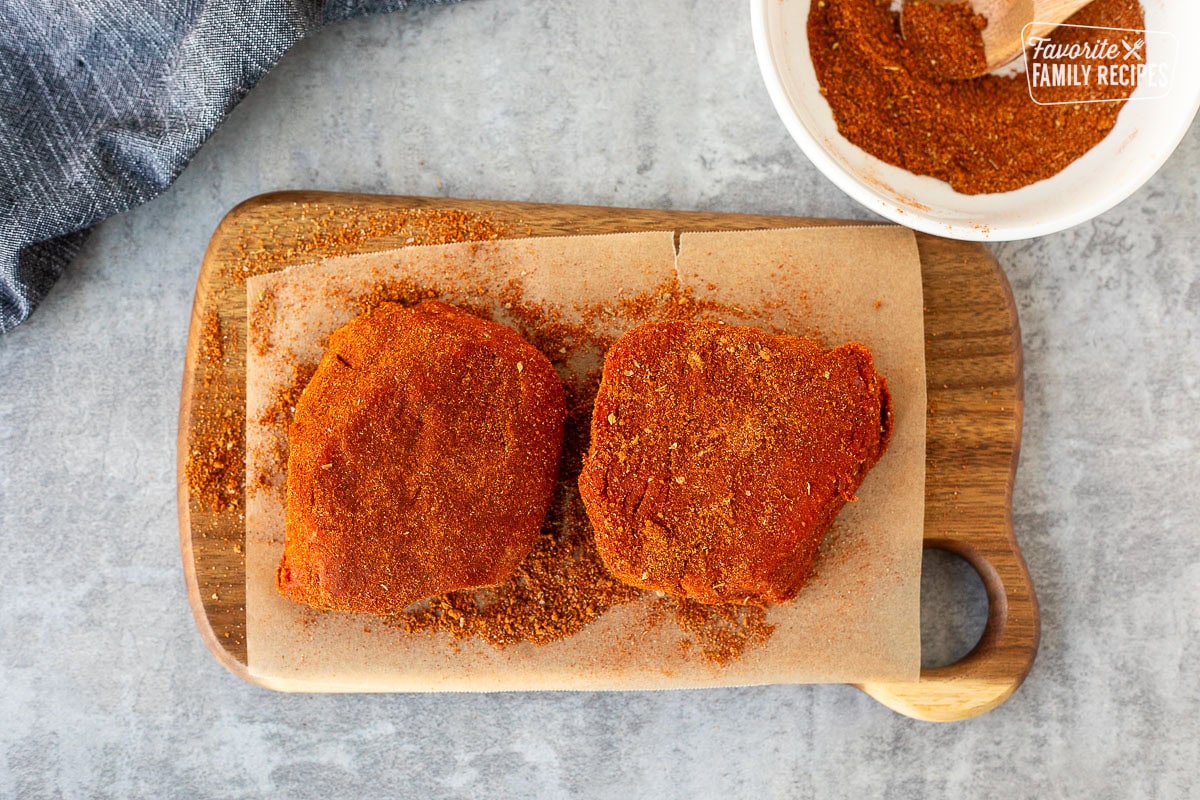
x: 721, y: 633
x: 982, y: 135
x: 720, y: 456
x: 338, y: 231
x: 216, y: 465
x: 278, y: 415
x: 422, y: 459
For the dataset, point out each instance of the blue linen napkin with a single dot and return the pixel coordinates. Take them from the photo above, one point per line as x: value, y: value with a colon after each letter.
x: 103, y: 103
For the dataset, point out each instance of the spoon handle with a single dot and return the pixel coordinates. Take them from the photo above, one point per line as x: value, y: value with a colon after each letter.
x: 1002, y: 40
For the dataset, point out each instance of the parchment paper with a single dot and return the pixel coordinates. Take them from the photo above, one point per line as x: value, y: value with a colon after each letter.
x: 857, y: 620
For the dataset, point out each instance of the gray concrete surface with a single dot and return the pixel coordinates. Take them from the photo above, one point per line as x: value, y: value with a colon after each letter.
x: 106, y: 689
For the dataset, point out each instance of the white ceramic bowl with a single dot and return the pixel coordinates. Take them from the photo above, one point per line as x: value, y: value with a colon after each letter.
x: 1147, y: 132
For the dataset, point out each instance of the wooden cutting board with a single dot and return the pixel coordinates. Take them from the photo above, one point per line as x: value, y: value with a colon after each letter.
x: 974, y: 385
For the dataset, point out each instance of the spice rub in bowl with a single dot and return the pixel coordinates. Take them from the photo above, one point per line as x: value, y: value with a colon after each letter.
x: 890, y: 95
x: 423, y: 457
x: 720, y: 456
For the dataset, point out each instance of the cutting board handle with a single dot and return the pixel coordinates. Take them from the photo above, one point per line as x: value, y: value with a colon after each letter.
x: 970, y: 469
x: 996, y: 666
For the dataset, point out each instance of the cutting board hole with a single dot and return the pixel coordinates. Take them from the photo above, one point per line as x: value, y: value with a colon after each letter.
x: 954, y: 608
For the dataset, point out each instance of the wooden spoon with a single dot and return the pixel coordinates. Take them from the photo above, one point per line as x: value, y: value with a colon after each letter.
x: 1007, y: 18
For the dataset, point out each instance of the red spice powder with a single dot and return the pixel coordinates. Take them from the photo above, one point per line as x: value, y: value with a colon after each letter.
x: 212, y: 344
x: 947, y: 35
x: 216, y: 463
x: 721, y: 633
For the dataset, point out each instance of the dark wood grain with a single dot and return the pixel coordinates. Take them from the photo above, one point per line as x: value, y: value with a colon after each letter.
x: 973, y: 364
